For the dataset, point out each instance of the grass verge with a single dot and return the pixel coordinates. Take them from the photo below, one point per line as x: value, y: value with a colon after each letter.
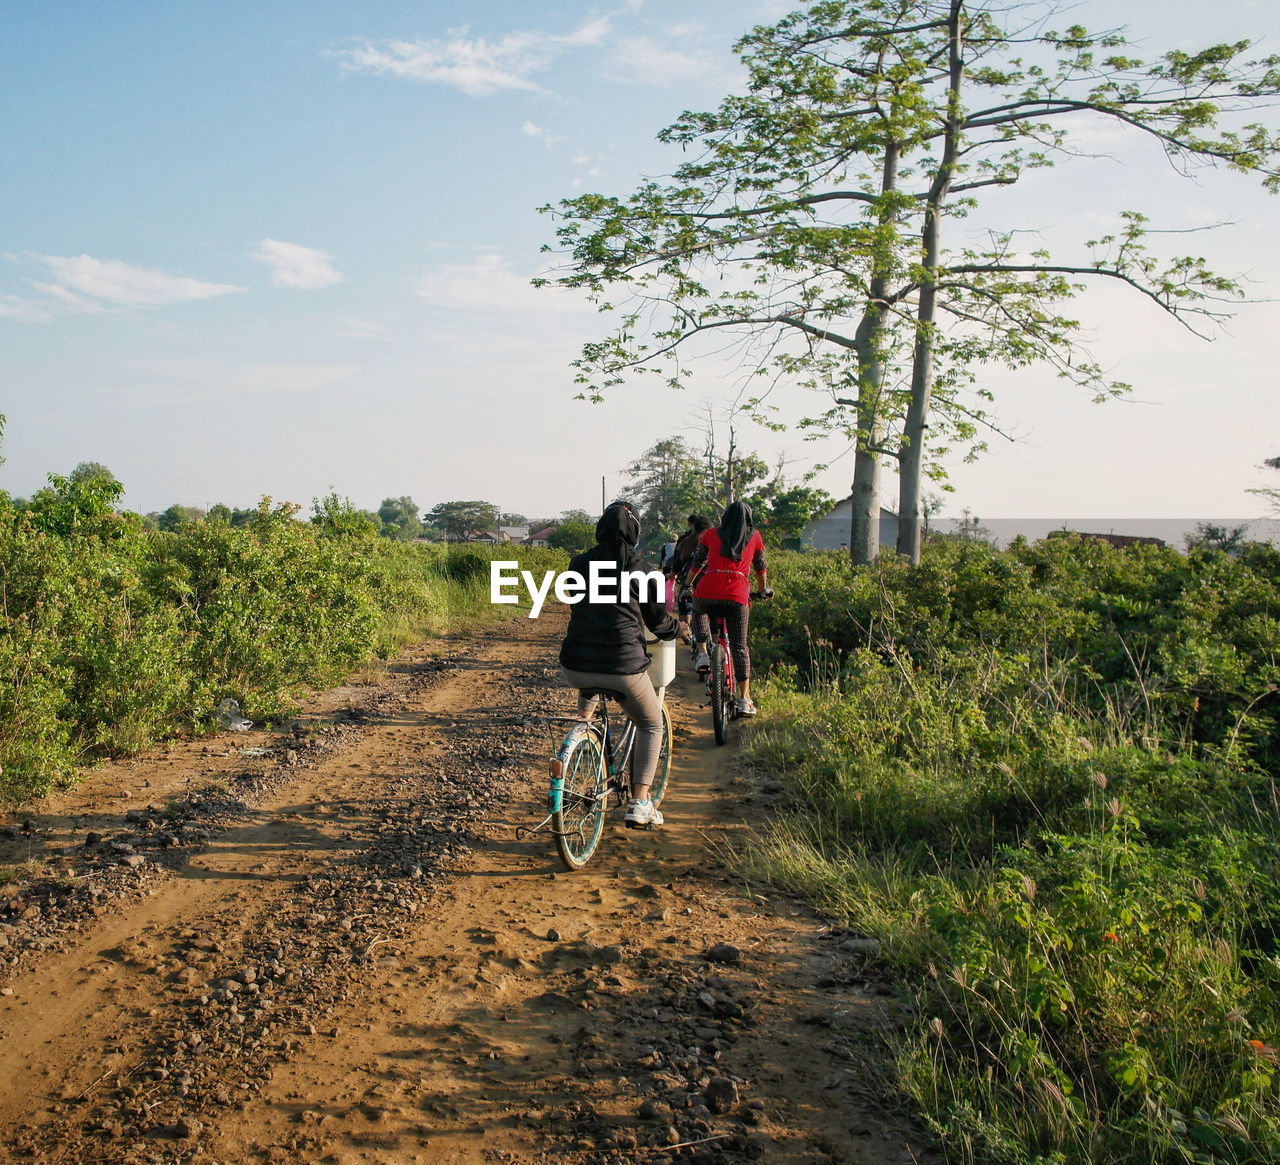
x: 1069, y: 855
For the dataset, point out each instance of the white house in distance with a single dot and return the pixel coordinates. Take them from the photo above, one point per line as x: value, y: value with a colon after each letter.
x: 831, y: 532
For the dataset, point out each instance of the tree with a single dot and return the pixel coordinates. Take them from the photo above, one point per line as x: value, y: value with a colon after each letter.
x: 67, y: 507
x: 667, y: 482
x: 459, y: 520
x: 810, y: 223
x: 573, y: 537
x: 1269, y: 493
x: 399, y: 518
x: 578, y: 516
x: 91, y: 470
x: 793, y: 509
x: 177, y: 515
x: 1209, y: 536
x: 336, y: 516
x: 512, y: 520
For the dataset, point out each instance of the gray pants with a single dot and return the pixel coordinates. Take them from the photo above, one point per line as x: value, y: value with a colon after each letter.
x: 640, y: 703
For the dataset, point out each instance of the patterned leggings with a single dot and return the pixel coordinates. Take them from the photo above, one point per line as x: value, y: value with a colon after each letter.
x: 736, y: 616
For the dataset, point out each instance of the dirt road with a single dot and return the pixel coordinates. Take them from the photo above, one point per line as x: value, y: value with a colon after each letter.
x: 325, y: 943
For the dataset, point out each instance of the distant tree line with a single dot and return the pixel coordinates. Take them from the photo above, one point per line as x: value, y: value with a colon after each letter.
x: 666, y: 483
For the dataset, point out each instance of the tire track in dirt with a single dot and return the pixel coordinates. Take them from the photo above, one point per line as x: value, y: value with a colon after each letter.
x: 365, y: 965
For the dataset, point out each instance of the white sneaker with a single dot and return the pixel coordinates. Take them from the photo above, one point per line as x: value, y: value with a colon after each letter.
x: 642, y: 815
x: 747, y: 708
x: 703, y: 662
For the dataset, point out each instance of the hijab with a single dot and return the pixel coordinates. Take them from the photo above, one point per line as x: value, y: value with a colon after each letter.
x: 618, y: 533
x: 735, y: 529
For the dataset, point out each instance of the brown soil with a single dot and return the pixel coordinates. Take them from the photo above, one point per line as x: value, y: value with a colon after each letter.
x: 327, y: 943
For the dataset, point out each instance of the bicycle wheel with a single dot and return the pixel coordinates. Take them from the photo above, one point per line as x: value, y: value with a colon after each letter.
x: 577, y: 806
x: 720, y: 693
x: 659, y: 787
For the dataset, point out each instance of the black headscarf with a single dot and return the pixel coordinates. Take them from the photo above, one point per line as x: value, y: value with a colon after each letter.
x: 618, y: 533
x: 735, y: 529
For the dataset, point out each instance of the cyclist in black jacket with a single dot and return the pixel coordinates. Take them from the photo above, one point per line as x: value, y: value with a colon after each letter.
x: 604, y: 648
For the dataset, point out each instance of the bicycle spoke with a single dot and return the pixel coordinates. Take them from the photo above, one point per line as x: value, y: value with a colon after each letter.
x: 578, y: 810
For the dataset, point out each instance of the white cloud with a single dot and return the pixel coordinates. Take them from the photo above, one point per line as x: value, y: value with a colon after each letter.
x: 13, y: 307
x: 292, y: 265
x: 488, y: 284
x: 477, y: 66
x: 109, y: 281
x: 530, y: 129
x: 643, y: 60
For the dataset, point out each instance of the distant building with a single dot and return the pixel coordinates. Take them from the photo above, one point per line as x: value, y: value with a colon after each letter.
x: 539, y: 537
x: 488, y: 537
x: 515, y: 533
x: 831, y: 531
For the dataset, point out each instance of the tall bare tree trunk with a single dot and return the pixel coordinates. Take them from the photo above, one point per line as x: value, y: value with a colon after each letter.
x: 864, y: 523
x: 911, y: 460
x: 864, y: 527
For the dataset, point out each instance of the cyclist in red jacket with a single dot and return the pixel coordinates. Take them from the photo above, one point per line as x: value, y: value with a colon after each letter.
x: 726, y: 556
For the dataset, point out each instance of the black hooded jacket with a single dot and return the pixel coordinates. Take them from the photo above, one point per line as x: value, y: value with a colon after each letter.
x: 609, y: 637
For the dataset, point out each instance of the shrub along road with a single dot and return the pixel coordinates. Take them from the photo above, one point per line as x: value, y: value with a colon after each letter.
x: 325, y: 943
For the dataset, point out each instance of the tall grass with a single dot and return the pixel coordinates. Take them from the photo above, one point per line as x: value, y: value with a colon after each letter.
x: 1043, y: 778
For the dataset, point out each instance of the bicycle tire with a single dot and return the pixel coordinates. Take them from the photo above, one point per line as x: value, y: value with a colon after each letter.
x: 720, y: 696
x: 658, y: 789
x: 577, y: 808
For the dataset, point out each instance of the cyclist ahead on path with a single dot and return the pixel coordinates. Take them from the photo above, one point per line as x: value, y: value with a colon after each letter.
x: 604, y: 648
x: 725, y: 557
x: 686, y: 547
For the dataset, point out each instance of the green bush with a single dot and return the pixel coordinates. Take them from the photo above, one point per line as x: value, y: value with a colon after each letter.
x: 113, y: 636
x: 1044, y: 778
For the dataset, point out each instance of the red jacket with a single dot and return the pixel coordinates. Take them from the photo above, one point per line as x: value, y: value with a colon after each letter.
x: 722, y: 578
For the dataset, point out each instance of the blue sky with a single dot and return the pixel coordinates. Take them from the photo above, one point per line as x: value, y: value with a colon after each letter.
x: 268, y: 248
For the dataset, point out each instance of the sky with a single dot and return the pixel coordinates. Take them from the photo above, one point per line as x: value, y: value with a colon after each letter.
x: 275, y: 248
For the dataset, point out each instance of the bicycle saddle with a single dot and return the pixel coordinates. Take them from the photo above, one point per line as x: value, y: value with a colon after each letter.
x: 607, y: 693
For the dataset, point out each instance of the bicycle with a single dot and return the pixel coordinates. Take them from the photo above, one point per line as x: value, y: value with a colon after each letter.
x: 721, y: 682
x: 593, y: 764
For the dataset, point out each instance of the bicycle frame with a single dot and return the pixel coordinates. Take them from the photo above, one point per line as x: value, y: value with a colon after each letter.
x: 722, y: 682
x: 613, y: 756
x: 720, y: 638
x: 617, y: 748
